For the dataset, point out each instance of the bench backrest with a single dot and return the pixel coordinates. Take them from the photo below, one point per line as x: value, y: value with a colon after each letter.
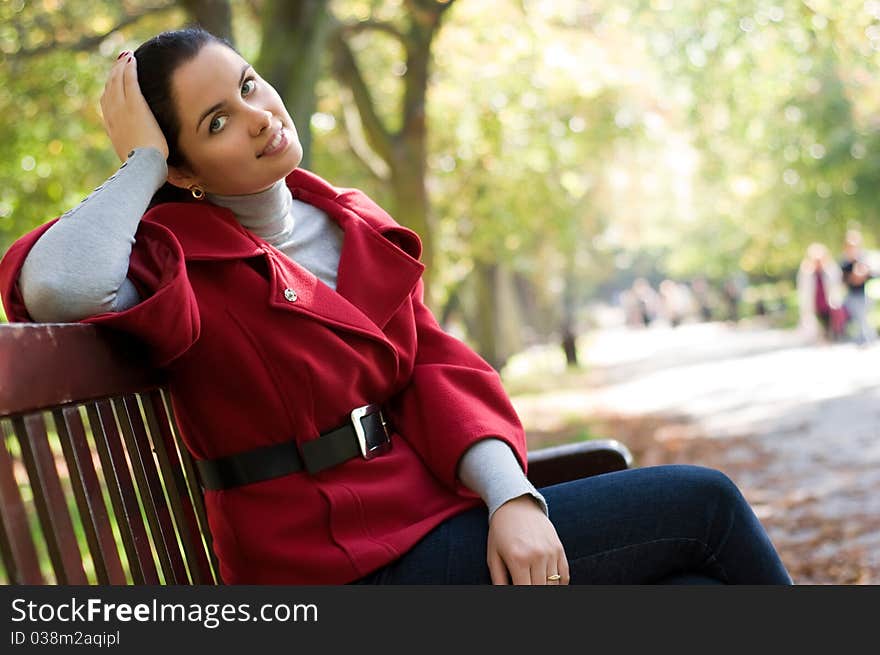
x: 88, y: 433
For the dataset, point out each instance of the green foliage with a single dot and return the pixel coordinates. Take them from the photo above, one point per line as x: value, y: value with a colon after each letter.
x: 53, y: 148
x: 519, y: 176
x: 781, y: 99
x: 576, y: 143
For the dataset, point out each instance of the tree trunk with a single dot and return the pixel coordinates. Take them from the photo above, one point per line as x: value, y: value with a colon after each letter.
x: 569, y: 346
x: 411, y: 207
x: 485, y: 329
x: 538, y: 319
x: 567, y: 330
x: 404, y: 152
x: 294, y: 38
x: 495, y: 317
x: 213, y: 15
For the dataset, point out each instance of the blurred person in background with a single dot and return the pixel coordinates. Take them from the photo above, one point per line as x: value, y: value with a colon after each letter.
x: 678, y: 303
x: 732, y: 291
x: 648, y: 301
x: 819, y: 291
x: 856, y: 273
x: 701, y: 293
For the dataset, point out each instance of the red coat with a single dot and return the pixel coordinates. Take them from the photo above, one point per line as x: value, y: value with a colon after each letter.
x: 248, y: 367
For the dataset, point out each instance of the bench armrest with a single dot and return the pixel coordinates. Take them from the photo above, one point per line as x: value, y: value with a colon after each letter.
x: 556, y: 464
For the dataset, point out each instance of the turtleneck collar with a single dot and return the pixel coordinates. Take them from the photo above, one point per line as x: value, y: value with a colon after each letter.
x: 266, y: 213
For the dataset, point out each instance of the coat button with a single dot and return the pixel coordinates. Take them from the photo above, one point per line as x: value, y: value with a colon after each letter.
x: 290, y: 295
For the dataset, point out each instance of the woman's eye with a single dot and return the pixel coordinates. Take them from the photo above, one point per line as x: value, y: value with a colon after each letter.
x: 217, y: 123
x: 248, y: 87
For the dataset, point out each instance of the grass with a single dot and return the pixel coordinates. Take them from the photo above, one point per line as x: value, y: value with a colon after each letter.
x: 543, y: 368
x: 540, y: 377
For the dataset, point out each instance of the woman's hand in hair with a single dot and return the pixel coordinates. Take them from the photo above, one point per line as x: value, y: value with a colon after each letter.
x: 127, y: 116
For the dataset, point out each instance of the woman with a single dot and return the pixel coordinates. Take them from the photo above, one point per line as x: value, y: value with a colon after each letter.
x: 341, y: 435
x: 819, y: 290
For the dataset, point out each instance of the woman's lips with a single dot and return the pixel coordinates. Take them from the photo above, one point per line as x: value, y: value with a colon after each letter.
x: 278, y: 144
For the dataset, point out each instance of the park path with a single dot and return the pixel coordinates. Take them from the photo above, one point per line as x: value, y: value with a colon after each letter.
x: 795, y: 425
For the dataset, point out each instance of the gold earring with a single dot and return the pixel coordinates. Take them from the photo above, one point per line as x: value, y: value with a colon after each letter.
x: 196, y: 192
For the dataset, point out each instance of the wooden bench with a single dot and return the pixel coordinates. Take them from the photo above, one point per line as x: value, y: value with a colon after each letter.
x: 95, y: 484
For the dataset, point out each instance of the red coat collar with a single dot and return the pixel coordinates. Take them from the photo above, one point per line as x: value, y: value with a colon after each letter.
x: 378, y: 266
x: 206, y: 231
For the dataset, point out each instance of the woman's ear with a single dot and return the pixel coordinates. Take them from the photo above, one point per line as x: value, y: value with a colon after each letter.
x: 181, y: 177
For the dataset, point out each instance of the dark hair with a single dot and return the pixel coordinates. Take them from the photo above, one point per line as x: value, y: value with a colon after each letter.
x: 157, y: 59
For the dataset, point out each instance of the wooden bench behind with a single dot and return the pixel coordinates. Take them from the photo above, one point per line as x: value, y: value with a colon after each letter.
x: 67, y: 388
x: 91, y: 460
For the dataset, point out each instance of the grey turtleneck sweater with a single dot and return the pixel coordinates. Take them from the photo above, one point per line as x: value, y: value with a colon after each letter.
x: 78, y: 268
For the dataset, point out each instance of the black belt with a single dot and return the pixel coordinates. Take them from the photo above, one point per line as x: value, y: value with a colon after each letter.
x: 365, y: 435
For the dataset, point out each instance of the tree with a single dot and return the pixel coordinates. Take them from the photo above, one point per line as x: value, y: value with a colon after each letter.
x: 519, y: 172
x: 781, y: 108
x: 213, y: 15
x: 396, y: 155
x: 292, y: 46
x: 53, y: 62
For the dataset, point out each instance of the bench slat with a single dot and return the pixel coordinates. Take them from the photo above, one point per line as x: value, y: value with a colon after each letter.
x: 49, y: 499
x: 89, y: 496
x: 18, y: 549
x: 152, y: 495
x: 195, y: 489
x: 172, y: 474
x: 123, y: 496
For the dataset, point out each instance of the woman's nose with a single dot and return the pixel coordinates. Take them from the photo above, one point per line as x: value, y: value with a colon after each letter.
x: 261, y: 120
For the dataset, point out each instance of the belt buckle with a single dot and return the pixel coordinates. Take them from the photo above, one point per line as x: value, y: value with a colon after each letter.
x: 369, y: 451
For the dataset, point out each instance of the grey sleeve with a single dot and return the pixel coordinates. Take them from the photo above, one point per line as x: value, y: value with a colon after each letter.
x: 78, y: 267
x: 491, y: 470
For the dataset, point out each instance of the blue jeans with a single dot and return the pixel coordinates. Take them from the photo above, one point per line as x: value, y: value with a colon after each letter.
x: 670, y: 524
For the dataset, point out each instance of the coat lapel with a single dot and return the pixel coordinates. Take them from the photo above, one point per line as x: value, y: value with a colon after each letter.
x: 375, y: 276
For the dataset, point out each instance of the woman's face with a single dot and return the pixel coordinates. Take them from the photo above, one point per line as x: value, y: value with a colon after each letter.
x: 235, y: 133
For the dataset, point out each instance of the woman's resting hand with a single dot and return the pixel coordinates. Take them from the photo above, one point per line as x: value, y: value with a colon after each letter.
x: 524, y: 543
